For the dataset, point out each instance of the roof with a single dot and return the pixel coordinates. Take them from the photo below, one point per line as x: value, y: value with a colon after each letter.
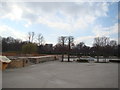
x: 4, y: 59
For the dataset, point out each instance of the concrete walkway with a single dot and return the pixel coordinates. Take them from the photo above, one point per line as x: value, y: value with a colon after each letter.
x: 57, y: 74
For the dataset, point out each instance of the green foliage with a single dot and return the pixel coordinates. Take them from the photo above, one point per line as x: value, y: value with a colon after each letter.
x: 29, y: 48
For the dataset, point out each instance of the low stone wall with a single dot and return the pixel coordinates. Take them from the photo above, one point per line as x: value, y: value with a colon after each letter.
x: 0, y: 65
x: 15, y: 64
x: 18, y: 63
x: 45, y: 59
x: 37, y: 60
x: 26, y: 61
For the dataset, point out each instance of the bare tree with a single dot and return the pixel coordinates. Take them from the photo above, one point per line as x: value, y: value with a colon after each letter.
x: 113, y: 43
x: 70, y: 41
x: 31, y: 36
x: 100, y: 43
x: 80, y: 48
x: 113, y: 47
x: 62, y: 40
x: 40, y: 39
x: 80, y: 45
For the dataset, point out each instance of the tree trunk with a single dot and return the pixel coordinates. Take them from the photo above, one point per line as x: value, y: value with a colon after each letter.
x: 68, y: 57
x: 63, y: 51
x: 97, y: 58
x: 97, y: 54
x: 62, y: 57
x: 69, y: 51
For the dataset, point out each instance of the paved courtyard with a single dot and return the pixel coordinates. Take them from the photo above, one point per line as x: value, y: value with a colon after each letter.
x: 57, y: 74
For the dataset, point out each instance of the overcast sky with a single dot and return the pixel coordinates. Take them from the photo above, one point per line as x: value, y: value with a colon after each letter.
x: 83, y: 20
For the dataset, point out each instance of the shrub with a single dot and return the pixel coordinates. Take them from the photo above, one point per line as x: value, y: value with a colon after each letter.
x: 29, y: 48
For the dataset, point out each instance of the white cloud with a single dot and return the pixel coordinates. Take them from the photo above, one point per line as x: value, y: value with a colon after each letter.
x: 88, y: 40
x: 65, y: 16
x: 13, y: 12
x: 99, y: 30
x: 6, y: 31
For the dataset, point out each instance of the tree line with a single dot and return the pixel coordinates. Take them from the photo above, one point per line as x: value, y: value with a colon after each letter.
x: 102, y: 46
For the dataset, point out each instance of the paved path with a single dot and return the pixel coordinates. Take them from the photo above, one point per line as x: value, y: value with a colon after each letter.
x: 56, y: 74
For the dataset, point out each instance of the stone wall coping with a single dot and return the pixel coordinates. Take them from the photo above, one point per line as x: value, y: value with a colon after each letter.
x: 37, y: 57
